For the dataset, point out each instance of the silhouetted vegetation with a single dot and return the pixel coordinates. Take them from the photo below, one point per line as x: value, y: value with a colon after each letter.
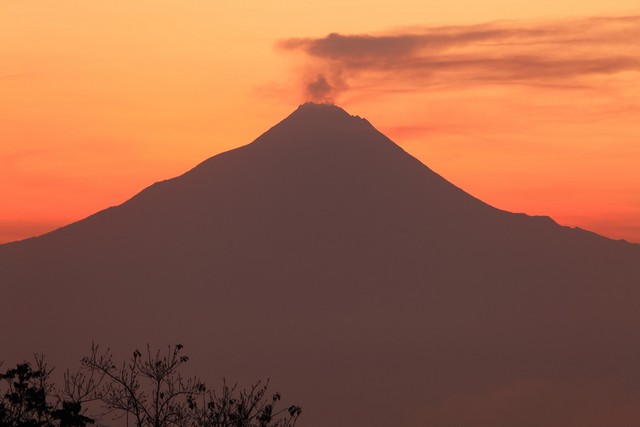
x: 147, y: 390
x: 30, y: 399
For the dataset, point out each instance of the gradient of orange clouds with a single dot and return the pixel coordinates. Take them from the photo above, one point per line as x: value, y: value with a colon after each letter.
x: 100, y: 99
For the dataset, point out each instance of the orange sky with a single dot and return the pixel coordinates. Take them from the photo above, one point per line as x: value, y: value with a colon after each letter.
x: 530, y: 106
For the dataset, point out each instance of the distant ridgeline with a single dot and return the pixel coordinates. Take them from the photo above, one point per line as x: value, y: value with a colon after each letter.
x: 364, y: 284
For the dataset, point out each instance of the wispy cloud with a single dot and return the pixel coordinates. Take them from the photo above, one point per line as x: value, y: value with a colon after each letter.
x: 550, y: 54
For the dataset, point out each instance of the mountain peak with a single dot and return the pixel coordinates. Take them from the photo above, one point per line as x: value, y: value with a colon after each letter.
x: 324, y: 126
x: 320, y: 107
x: 322, y: 112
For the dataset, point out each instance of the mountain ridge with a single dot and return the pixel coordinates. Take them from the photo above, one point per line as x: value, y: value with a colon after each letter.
x: 326, y: 257
x: 314, y: 117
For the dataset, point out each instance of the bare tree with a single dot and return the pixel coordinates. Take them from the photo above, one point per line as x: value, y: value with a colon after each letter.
x: 246, y: 408
x: 150, y: 388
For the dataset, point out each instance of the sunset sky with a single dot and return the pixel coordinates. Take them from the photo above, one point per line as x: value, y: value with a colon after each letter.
x: 530, y: 106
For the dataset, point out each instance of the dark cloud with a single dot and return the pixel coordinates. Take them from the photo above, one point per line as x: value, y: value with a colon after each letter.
x: 550, y: 54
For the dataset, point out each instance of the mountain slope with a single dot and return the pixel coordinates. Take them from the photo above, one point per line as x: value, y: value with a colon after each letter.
x: 369, y: 288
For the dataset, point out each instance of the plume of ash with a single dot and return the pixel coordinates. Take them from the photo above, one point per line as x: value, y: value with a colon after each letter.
x: 320, y: 90
x: 324, y: 88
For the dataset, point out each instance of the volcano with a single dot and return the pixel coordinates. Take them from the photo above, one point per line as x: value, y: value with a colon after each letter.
x: 370, y: 290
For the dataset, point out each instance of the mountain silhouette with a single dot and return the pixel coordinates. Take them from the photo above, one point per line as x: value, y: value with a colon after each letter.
x: 371, y: 291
